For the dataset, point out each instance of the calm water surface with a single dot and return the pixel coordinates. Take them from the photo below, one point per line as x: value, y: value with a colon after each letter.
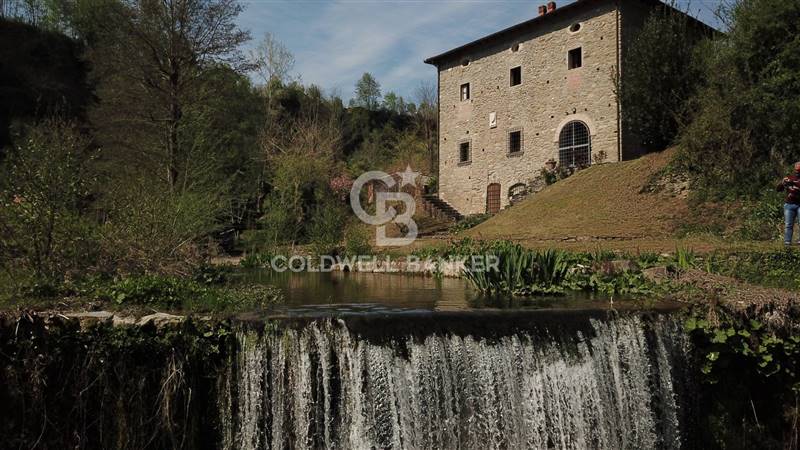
x: 354, y: 292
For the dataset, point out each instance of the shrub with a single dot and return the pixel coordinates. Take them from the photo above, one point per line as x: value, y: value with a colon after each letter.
x: 255, y: 241
x: 325, y: 229
x: 356, y: 240
x: 469, y: 222
x: 779, y: 269
x: 763, y: 219
x: 255, y: 261
x: 176, y: 293
x: 46, y: 183
x: 278, y: 225
x: 749, y: 375
x: 212, y: 274
x: 150, y: 229
x: 150, y: 290
x: 748, y: 107
x: 246, y: 297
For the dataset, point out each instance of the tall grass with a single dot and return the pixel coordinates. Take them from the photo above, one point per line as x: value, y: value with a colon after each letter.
x: 520, y: 271
x: 685, y: 258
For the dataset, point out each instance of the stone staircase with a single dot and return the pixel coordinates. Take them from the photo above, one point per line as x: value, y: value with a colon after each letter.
x: 436, y: 207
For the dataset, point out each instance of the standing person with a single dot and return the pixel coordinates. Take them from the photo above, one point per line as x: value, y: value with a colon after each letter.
x: 791, y: 185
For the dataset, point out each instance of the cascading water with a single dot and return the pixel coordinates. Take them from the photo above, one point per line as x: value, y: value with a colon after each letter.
x: 607, y: 384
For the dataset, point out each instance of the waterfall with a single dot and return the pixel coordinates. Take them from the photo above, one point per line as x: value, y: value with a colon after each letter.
x: 610, y: 384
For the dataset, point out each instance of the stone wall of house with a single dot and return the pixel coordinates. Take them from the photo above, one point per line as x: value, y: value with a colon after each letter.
x: 550, y: 96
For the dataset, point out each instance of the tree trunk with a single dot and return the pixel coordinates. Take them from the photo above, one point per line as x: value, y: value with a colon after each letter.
x: 174, y: 120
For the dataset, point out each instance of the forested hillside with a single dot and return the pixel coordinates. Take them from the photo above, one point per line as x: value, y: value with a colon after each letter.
x: 138, y: 138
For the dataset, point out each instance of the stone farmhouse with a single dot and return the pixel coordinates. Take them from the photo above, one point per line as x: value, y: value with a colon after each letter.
x: 538, y: 93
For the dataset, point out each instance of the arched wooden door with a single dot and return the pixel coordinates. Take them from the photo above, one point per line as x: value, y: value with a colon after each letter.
x: 493, y: 198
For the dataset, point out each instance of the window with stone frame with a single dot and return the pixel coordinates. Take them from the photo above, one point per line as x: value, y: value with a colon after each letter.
x: 575, y: 58
x: 515, y: 142
x: 464, y: 152
x: 516, y: 76
x: 465, y: 92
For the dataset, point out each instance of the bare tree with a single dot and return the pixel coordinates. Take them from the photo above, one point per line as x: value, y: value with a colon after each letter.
x: 272, y: 60
x: 427, y: 111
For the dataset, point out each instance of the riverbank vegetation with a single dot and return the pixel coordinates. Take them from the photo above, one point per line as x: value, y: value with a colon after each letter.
x: 756, y: 407
x: 523, y: 272
x: 116, y: 165
x: 756, y: 282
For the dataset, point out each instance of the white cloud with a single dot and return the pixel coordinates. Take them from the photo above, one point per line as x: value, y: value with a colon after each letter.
x: 335, y: 42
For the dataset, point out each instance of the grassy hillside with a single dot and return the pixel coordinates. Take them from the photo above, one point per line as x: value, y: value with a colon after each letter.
x: 604, y: 202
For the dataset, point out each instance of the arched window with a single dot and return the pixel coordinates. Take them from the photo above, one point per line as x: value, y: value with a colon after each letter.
x: 574, y: 145
x: 516, y: 192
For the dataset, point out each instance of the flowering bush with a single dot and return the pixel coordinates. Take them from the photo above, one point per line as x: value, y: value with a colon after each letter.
x: 341, y: 185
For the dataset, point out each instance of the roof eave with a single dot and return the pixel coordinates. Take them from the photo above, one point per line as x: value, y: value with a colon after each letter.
x: 435, y: 60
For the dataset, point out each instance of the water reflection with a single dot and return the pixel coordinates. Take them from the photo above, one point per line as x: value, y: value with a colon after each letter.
x: 362, y: 288
x: 382, y: 292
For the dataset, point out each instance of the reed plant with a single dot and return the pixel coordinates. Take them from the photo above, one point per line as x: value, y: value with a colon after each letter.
x: 520, y: 271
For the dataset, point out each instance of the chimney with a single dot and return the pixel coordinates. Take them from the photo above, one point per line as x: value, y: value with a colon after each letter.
x: 542, y: 10
x: 551, y: 6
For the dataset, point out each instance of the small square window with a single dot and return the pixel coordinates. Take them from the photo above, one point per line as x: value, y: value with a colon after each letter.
x: 463, y: 152
x: 465, y: 92
x: 575, y: 58
x: 515, y: 142
x: 516, y: 76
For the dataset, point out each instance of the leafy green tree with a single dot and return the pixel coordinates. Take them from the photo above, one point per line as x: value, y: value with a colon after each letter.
x: 301, y: 166
x: 326, y: 228
x: 153, y: 60
x: 744, y: 131
x: 221, y: 138
x: 44, y: 14
x: 660, y: 77
x: 394, y: 103
x: 367, y: 93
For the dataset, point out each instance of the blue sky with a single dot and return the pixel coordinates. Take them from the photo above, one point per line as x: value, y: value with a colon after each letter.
x: 335, y: 41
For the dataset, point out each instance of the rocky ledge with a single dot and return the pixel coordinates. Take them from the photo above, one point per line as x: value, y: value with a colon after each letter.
x: 90, y: 319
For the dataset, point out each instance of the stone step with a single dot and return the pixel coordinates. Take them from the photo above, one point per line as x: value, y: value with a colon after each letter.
x: 442, y: 207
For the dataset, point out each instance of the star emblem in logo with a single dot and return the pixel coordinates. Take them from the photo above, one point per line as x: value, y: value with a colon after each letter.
x: 409, y: 177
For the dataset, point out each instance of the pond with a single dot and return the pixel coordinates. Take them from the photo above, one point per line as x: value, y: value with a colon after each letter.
x: 366, y: 292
